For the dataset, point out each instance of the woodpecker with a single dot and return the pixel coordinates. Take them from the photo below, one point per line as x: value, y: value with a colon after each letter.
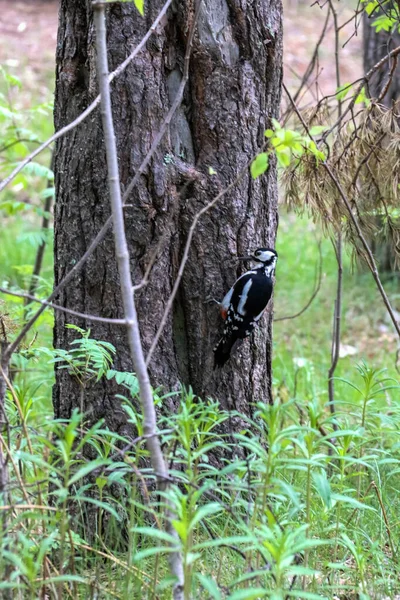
x: 245, y: 303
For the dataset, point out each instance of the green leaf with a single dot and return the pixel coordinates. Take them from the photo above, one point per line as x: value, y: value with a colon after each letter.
x: 157, y: 534
x: 140, y: 6
x: 249, y: 594
x: 306, y: 595
x: 371, y: 6
x: 86, y: 469
x: 38, y: 170
x: 101, y: 482
x: 283, y: 157
x: 384, y: 23
x: 259, y: 165
x: 362, y: 98
x: 317, y: 129
x: 352, y: 502
x: 210, y: 586
x: 343, y: 90
x: 204, y: 511
x: 181, y: 530
x: 139, y: 556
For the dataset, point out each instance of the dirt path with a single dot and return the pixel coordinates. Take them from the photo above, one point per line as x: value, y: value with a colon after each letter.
x: 28, y: 35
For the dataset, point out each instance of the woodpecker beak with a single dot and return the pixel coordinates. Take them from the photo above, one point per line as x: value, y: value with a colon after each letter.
x: 243, y: 258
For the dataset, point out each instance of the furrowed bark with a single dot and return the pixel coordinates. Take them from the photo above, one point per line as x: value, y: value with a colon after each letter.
x: 232, y: 92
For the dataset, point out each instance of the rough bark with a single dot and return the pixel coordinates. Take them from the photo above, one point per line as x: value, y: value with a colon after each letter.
x: 376, y: 46
x: 233, y: 91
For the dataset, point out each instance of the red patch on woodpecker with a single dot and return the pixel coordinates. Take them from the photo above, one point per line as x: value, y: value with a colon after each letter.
x: 224, y: 313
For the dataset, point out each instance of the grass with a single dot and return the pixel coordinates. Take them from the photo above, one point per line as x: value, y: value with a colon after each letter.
x: 365, y: 327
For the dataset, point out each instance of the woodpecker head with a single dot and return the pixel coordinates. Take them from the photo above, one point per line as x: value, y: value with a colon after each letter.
x: 266, y: 256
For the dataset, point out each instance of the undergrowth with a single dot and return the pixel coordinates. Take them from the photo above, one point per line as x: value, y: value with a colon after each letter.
x: 291, y: 508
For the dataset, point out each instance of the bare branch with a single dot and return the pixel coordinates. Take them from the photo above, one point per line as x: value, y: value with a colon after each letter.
x: 123, y: 261
x: 336, y: 325
x: 389, y: 81
x: 313, y: 295
x: 69, y: 311
x: 395, y: 52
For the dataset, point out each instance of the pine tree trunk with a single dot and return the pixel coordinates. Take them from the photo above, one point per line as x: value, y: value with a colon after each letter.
x: 232, y: 93
x: 376, y: 46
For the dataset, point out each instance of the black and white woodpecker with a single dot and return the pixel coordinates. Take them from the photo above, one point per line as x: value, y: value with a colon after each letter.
x: 245, y: 303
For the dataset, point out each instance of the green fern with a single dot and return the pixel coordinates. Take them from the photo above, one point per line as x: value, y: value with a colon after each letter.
x: 87, y: 359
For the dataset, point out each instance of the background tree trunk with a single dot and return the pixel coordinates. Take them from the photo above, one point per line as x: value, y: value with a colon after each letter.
x: 376, y: 46
x: 233, y: 91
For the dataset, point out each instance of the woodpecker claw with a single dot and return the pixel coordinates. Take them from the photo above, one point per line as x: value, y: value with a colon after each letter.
x: 211, y: 300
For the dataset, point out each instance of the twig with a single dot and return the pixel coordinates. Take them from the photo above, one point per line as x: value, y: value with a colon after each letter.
x: 338, y: 251
x: 389, y: 81
x: 122, y: 255
x: 69, y: 311
x: 395, y: 52
x: 311, y: 65
x: 378, y: 495
x: 185, y: 257
x: 90, y: 108
x: 4, y: 473
x: 313, y: 295
x: 336, y: 326
x: 40, y: 251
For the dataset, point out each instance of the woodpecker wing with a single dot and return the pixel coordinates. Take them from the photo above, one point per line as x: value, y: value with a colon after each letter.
x: 250, y: 296
x: 244, y: 305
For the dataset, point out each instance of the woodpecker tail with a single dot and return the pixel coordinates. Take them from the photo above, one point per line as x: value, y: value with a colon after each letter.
x: 222, y: 350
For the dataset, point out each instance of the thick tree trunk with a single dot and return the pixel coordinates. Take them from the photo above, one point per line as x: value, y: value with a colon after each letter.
x: 376, y: 46
x: 233, y: 91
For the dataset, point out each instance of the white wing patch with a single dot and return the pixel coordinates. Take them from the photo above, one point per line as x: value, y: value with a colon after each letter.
x: 258, y: 317
x: 227, y: 299
x: 243, y: 297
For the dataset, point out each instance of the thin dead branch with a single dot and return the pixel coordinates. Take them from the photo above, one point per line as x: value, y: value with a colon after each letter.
x: 69, y: 311
x: 313, y: 295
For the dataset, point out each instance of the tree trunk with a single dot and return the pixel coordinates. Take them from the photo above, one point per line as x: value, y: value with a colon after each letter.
x: 376, y: 46
x: 232, y: 93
